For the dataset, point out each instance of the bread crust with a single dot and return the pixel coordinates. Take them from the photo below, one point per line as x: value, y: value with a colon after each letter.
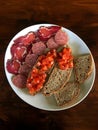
x: 49, y: 84
x: 80, y: 69
x: 69, y: 96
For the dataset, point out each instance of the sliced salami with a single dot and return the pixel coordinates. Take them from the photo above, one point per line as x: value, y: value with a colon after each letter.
x: 31, y: 59
x: 19, y: 81
x: 61, y: 37
x: 14, y: 47
x: 25, y: 40
x: 20, y: 52
x: 13, y: 66
x: 38, y: 48
x: 44, y: 33
x: 51, y: 44
x: 19, y: 39
x: 24, y: 69
x: 29, y: 38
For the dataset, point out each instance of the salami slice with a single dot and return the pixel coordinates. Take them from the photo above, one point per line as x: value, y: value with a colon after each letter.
x: 19, y: 39
x: 61, y: 37
x: 51, y: 44
x: 38, y: 48
x: 24, y: 69
x: 13, y: 66
x: 25, y: 40
x: 19, y: 81
x: 20, y: 53
x: 29, y: 38
x: 44, y: 33
x: 31, y: 59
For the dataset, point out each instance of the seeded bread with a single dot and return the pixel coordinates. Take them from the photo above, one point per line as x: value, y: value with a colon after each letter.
x: 82, y: 67
x: 67, y: 94
x: 57, y: 79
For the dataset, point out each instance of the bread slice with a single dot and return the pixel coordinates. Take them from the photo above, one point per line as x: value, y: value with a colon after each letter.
x: 83, y: 67
x: 57, y: 79
x: 67, y: 94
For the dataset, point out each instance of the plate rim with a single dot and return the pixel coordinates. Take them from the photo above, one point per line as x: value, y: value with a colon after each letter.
x: 50, y: 109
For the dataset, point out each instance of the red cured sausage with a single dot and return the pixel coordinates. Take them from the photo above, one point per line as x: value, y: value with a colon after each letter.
x: 61, y: 37
x: 38, y: 48
x: 24, y: 69
x: 44, y: 33
x: 25, y: 40
x: 31, y: 59
x: 19, y: 81
x: 51, y: 44
x: 13, y: 66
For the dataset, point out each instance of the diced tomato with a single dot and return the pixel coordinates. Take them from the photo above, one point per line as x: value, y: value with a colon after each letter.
x: 38, y: 74
x: 36, y: 80
x: 44, y: 75
x: 35, y: 70
x: 32, y: 91
x: 38, y: 64
x: 44, y: 68
x: 65, y: 59
x: 70, y: 64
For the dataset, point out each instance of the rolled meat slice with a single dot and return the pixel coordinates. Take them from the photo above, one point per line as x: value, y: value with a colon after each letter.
x: 51, y: 44
x: 38, y: 48
x: 31, y: 59
x: 13, y: 66
x: 26, y: 39
x: 44, y: 33
x: 24, y: 69
x: 19, y: 39
x: 20, y: 52
x: 61, y: 37
x: 29, y: 38
x: 19, y: 81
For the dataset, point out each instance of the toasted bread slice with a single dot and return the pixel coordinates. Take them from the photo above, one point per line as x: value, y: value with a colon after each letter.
x: 83, y: 67
x: 67, y: 94
x: 57, y: 79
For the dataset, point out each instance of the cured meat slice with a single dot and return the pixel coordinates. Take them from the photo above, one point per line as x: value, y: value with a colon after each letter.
x: 25, y: 40
x: 30, y: 37
x: 38, y: 48
x: 51, y: 44
x: 13, y: 66
x: 19, y: 52
x: 19, y: 39
x: 19, y: 81
x: 14, y: 47
x: 24, y: 69
x: 61, y: 37
x: 44, y: 33
x: 31, y: 59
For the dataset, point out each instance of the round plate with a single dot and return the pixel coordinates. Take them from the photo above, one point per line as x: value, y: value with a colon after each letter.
x: 48, y: 103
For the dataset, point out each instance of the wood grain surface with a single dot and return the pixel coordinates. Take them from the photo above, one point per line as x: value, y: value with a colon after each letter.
x: 80, y: 16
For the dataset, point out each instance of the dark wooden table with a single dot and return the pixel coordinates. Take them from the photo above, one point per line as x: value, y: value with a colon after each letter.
x: 80, y: 16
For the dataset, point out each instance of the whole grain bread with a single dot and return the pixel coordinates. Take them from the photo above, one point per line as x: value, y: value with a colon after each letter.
x: 67, y: 94
x: 57, y: 79
x: 83, y: 67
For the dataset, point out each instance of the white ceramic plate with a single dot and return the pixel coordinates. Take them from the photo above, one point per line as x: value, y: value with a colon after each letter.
x: 39, y: 101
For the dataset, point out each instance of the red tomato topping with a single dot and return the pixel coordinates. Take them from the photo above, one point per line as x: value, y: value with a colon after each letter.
x: 38, y: 74
x: 35, y: 81
x: 65, y: 59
